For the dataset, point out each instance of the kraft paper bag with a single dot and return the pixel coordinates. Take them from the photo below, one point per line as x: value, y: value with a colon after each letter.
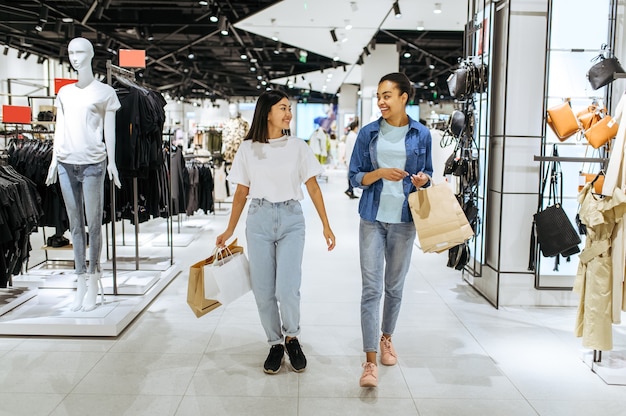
x: 195, y: 285
x: 439, y: 219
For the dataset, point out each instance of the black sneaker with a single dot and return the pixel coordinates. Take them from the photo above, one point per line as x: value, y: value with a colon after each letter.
x: 296, y: 356
x: 274, y: 359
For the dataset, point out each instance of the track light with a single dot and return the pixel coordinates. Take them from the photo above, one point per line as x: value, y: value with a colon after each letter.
x: 242, y: 54
x: 6, y: 50
x: 191, y: 55
x: 213, y: 14
x: 19, y: 54
x: 43, y: 13
x: 223, y: 26
x: 354, y: 6
x: 396, y: 10
x: 39, y: 26
x: 407, y: 54
x: 26, y: 55
x: 41, y: 60
x: 437, y: 9
x: 420, y: 25
x: 277, y: 48
x: 367, y: 51
x: 99, y: 12
x: 149, y: 34
x: 333, y: 34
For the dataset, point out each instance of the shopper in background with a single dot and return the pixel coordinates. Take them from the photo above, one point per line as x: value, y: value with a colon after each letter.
x: 269, y: 169
x: 391, y: 158
x: 83, y: 152
x: 353, y: 129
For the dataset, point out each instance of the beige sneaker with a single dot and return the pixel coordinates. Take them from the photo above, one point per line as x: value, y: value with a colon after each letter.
x: 369, y: 378
x: 388, y: 354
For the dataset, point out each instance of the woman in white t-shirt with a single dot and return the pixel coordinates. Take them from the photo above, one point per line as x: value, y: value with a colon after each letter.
x: 269, y: 169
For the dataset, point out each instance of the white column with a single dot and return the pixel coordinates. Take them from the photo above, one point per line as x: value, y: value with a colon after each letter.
x: 383, y: 60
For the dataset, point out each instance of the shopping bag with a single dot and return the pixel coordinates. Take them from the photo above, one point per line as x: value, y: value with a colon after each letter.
x: 227, y: 278
x: 439, y: 219
x: 195, y: 285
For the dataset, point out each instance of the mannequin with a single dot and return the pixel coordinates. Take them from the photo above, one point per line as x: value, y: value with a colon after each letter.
x: 85, y: 114
x: 233, y: 133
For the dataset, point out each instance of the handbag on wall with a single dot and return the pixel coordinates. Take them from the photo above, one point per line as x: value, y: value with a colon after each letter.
x: 603, y: 72
x: 562, y: 121
x: 602, y: 131
x: 590, y: 116
x: 553, y: 230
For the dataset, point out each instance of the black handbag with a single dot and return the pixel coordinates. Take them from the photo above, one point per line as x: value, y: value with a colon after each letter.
x: 553, y: 230
x: 456, y: 124
x: 603, y: 72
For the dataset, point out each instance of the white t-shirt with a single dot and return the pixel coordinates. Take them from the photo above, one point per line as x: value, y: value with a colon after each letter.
x: 274, y: 171
x: 80, y: 140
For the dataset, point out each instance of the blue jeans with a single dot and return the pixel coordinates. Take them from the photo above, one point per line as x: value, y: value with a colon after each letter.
x: 83, y: 192
x: 275, y: 236
x: 385, y: 251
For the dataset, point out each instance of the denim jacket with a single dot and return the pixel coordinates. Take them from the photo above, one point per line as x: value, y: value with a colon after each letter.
x: 364, y: 160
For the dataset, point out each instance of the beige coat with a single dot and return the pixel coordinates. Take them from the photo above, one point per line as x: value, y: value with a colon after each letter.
x: 593, y: 280
x: 616, y: 179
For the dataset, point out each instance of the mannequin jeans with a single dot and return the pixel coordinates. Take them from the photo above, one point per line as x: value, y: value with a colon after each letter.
x: 275, y: 237
x: 83, y: 192
x: 385, y: 251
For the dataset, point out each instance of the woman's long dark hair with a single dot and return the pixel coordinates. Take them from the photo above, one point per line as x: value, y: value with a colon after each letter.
x: 402, y: 82
x: 258, y: 128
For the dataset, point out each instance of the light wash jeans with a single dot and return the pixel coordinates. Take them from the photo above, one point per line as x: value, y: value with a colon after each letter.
x: 275, y: 237
x: 385, y: 251
x: 83, y: 192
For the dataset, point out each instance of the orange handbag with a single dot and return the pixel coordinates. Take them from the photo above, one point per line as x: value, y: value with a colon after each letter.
x: 590, y: 116
x: 562, y: 121
x: 601, y: 132
x: 585, y: 178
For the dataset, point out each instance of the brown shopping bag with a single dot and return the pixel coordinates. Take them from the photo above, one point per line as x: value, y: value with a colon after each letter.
x: 195, y: 286
x: 439, y: 220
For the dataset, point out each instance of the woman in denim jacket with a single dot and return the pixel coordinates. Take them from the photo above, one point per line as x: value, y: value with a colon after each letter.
x: 391, y: 158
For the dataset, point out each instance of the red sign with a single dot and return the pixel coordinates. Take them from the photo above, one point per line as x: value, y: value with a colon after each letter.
x: 132, y: 58
x: 16, y: 114
x: 59, y: 82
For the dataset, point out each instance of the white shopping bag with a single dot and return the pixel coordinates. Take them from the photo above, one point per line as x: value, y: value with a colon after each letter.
x: 227, y: 279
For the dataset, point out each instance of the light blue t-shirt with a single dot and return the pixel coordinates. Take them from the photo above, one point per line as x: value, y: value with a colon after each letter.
x: 391, y: 151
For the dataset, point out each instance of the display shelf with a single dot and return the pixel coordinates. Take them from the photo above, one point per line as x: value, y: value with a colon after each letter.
x: 12, y: 297
x: 48, y: 313
x: 612, y: 367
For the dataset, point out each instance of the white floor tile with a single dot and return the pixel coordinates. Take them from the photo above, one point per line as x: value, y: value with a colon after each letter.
x: 458, y: 355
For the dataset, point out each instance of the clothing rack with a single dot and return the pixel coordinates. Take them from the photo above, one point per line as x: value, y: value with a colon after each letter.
x: 119, y: 72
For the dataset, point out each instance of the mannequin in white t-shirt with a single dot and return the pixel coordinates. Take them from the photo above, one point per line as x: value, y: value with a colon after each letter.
x: 84, y: 151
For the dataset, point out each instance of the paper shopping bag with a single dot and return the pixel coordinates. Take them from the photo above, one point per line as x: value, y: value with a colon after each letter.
x: 227, y: 279
x: 439, y: 220
x: 195, y: 285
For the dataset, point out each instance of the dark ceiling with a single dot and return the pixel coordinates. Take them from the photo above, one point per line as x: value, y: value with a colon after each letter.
x: 169, y: 29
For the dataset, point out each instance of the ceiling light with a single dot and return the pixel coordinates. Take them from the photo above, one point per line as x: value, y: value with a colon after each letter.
x: 277, y: 48
x: 203, y: 3
x: 27, y: 55
x: 67, y: 20
x: 41, y: 60
x: 437, y: 9
x: 275, y: 37
x: 191, y: 55
x: 420, y: 25
x: 213, y: 14
x: 43, y: 13
x: 19, y: 54
x: 253, y: 68
x: 39, y: 26
x: 223, y: 26
x: 6, y: 50
x: 354, y: 6
x: 407, y: 54
x: 333, y: 35
x: 432, y: 83
x: 335, y: 58
x: 242, y: 54
x: 431, y: 66
x: 149, y: 34
x: 348, y: 25
x: 367, y: 51
x: 396, y: 10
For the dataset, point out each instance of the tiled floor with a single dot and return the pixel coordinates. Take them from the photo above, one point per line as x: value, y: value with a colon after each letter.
x: 458, y: 355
